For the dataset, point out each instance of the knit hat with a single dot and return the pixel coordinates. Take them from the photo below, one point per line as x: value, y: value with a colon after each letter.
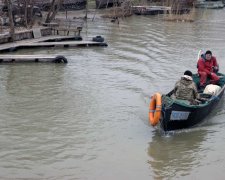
x: 208, y: 52
x: 188, y: 73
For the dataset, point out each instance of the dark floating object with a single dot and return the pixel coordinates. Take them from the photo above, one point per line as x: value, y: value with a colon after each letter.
x: 98, y: 39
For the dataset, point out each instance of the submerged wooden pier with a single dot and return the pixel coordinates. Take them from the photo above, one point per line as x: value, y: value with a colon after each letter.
x: 46, y: 41
x: 33, y: 58
x: 50, y: 41
x: 62, y: 44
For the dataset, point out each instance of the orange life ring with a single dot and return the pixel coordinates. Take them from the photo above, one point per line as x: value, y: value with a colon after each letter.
x: 155, y: 108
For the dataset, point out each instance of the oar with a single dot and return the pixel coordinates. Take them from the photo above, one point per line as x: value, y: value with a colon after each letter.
x: 199, y: 54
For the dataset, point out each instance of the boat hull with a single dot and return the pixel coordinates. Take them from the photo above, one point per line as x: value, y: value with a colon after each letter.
x: 209, y: 4
x: 178, y: 116
x: 150, y: 10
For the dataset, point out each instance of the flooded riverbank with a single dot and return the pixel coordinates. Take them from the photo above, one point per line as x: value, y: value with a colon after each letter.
x: 88, y: 119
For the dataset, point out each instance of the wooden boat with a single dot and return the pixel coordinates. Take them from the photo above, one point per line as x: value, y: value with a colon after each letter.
x: 64, y: 5
x: 107, y: 3
x: 150, y: 10
x: 177, y: 114
x: 209, y: 4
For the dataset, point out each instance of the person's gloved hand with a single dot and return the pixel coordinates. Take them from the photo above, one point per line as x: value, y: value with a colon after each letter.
x: 212, y: 73
x: 215, y: 69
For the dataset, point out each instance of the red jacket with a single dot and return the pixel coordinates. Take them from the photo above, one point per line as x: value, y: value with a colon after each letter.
x: 207, y: 66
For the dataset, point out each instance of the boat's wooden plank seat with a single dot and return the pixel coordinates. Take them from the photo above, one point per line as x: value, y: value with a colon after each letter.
x: 204, y: 95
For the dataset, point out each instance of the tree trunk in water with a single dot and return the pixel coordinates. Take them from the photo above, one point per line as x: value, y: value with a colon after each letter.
x: 12, y: 30
x: 53, y: 10
x: 31, y: 18
x: 49, y: 11
x: 86, y: 12
x: 25, y: 13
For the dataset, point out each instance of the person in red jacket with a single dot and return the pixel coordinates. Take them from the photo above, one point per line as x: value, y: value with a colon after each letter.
x: 207, y: 68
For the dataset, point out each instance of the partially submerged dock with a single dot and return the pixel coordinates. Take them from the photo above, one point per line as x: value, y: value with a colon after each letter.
x: 61, y: 34
x: 47, y: 41
x: 50, y: 41
x: 33, y: 58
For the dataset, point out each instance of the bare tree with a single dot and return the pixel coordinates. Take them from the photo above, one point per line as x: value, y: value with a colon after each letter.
x: 86, y: 11
x: 27, y: 11
x: 30, y: 14
x: 12, y: 29
x: 55, y: 5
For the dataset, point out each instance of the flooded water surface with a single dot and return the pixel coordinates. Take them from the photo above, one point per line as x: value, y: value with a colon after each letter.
x: 88, y: 119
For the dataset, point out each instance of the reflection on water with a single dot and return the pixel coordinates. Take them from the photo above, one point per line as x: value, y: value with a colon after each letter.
x: 24, y: 94
x: 176, y: 155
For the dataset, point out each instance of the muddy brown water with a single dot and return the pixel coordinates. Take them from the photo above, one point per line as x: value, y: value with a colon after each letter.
x: 88, y: 119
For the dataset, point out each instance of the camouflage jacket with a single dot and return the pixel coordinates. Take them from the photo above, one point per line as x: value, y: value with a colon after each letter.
x: 185, y: 89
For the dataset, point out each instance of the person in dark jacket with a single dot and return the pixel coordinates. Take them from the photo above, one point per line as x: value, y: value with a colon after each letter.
x: 207, y: 68
x: 186, y: 89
